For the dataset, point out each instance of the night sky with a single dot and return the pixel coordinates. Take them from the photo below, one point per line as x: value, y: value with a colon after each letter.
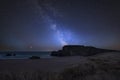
x: 50, y: 24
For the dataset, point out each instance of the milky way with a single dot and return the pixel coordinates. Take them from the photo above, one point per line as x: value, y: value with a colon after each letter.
x: 50, y: 24
x: 49, y: 15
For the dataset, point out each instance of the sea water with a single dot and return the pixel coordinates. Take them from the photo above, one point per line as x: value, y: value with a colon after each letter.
x: 23, y: 55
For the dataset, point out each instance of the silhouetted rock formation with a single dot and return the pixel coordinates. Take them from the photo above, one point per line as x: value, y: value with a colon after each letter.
x: 34, y: 57
x: 10, y: 54
x: 74, y: 50
x: 14, y: 54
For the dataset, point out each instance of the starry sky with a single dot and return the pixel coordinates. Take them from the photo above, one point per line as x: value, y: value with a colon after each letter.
x: 50, y: 24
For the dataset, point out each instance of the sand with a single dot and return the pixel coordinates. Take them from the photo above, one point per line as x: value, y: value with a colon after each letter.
x: 52, y: 64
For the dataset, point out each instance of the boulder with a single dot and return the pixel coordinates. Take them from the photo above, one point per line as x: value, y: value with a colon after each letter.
x: 8, y: 54
x: 34, y: 57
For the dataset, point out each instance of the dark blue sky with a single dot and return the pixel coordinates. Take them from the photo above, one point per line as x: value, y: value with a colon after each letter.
x: 50, y: 24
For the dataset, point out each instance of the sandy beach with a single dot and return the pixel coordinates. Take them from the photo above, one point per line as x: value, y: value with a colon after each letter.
x: 98, y: 67
x: 52, y: 64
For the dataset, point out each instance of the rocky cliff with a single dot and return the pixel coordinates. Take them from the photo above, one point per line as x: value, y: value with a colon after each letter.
x: 79, y: 50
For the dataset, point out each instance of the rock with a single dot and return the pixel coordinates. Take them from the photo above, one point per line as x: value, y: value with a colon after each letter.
x: 14, y: 54
x: 34, y: 57
x: 54, y: 53
x: 78, y: 50
x: 8, y: 54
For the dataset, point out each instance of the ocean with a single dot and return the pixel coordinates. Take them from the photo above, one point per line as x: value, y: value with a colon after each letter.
x: 23, y: 55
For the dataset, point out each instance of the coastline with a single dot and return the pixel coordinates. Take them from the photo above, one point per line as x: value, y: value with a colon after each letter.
x: 43, y: 64
x: 49, y: 64
x: 98, y: 67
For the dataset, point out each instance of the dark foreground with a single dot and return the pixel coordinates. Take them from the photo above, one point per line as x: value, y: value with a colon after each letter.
x: 104, y: 66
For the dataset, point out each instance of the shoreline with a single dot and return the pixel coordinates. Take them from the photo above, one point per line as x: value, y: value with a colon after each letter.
x: 104, y: 66
x: 49, y: 64
x: 43, y: 64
